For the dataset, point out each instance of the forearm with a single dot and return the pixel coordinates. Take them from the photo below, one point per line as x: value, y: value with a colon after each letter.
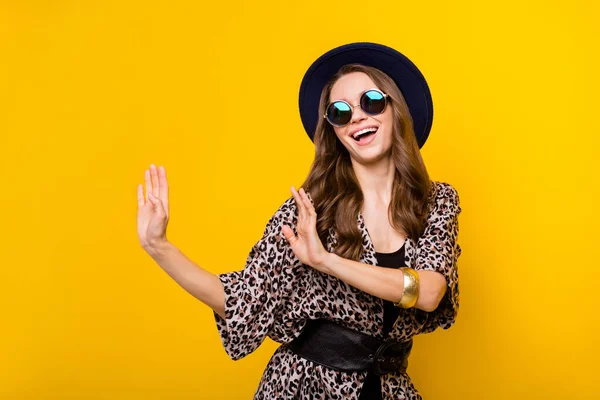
x: 198, y: 282
x: 387, y: 283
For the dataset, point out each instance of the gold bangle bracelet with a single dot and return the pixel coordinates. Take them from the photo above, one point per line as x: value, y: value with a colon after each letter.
x: 410, y: 293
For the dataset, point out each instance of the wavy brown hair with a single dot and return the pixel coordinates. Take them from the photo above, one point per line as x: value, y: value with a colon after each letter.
x: 333, y: 185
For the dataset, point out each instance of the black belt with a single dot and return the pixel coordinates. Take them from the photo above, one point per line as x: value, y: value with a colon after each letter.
x: 327, y: 343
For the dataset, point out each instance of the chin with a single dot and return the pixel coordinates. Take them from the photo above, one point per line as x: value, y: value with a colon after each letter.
x: 371, y: 156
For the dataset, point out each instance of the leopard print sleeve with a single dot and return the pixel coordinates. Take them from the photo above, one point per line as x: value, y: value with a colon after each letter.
x: 438, y: 250
x: 256, y: 297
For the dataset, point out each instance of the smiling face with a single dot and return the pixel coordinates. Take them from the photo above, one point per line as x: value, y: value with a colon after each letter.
x: 376, y: 143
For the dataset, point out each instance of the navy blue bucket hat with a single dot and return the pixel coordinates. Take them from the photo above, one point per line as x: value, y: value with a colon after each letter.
x: 397, y: 66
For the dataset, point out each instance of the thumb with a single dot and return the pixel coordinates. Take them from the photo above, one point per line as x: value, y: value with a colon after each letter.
x: 156, y: 203
x: 288, y: 232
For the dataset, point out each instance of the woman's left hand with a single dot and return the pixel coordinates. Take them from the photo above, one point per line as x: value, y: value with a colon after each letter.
x: 307, y: 245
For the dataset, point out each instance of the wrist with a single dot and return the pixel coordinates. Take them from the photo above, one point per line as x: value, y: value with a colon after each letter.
x: 158, y: 248
x: 328, y: 264
x: 410, y: 291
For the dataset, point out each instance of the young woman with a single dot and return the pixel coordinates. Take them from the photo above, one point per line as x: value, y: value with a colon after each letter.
x: 354, y: 264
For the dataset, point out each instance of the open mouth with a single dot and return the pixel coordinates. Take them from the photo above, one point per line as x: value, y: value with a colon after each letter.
x: 364, y: 135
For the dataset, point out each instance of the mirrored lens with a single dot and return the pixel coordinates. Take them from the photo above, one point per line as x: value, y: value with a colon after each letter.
x: 339, y: 113
x: 372, y: 102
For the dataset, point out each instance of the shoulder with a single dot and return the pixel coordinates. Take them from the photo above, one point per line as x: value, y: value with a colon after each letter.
x: 286, y: 214
x: 443, y: 190
x: 287, y: 210
x: 444, y: 198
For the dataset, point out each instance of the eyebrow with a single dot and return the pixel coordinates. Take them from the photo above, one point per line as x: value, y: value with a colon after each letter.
x: 345, y: 99
x: 331, y: 98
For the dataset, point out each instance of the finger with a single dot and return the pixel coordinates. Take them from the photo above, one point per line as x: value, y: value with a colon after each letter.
x: 164, y: 188
x: 158, y: 208
x: 299, y: 203
x: 154, y: 175
x: 289, y: 234
x: 307, y: 203
x: 140, y: 195
x: 147, y: 182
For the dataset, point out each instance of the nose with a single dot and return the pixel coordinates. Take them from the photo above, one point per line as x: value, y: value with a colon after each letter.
x: 357, y: 114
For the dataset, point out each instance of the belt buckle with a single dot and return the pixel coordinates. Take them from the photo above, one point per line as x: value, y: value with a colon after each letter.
x: 383, y: 364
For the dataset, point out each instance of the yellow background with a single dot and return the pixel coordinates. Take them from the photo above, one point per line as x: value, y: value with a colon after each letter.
x: 93, y: 92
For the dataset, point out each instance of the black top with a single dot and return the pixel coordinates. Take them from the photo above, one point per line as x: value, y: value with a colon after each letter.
x: 372, y: 387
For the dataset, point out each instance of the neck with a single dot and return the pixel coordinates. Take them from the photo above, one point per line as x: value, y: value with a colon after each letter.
x: 376, y: 179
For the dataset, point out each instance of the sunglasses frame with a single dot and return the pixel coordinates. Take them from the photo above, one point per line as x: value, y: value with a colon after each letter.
x: 385, y: 99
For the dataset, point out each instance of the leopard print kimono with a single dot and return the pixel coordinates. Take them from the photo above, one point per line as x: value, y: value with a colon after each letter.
x: 275, y: 294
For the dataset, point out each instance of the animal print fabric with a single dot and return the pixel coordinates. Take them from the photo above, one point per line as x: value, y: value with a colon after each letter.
x: 274, y: 295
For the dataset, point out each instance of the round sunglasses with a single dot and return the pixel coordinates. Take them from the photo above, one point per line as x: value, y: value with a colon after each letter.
x: 372, y: 102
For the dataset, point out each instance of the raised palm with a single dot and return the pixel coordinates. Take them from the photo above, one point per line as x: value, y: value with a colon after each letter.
x: 307, y: 246
x: 153, y: 209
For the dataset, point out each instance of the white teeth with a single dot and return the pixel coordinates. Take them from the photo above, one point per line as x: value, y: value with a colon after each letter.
x: 363, y: 131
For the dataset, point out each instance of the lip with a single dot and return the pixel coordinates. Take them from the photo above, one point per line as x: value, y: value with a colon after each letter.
x: 371, y: 138
x: 361, y: 128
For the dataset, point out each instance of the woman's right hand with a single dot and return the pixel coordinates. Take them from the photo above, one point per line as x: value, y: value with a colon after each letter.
x: 153, y: 210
